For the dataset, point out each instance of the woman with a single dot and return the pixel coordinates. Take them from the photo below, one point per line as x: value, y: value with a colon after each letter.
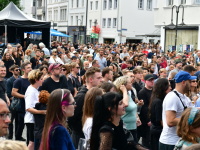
x: 35, y: 78
x: 71, y: 84
x: 145, y: 64
x: 8, y: 62
x: 61, y: 105
x: 160, y: 90
x: 39, y: 118
x: 108, y: 87
x: 17, y: 57
x: 130, y: 118
x: 107, y: 127
x: 188, y: 129
x: 20, y: 51
x: 88, y: 110
x: 44, y: 69
x: 27, y: 56
x: 193, y: 93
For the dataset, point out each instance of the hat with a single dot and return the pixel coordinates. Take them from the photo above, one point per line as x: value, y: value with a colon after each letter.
x: 46, y: 56
x: 53, y: 66
x: 74, y: 57
x: 183, y: 76
x: 149, y: 77
x: 54, y: 50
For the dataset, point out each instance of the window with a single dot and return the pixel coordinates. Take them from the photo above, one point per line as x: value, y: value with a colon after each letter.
x: 90, y: 23
x: 91, y: 3
x: 115, y: 4
x: 197, y: 1
x: 104, y: 23
x: 109, y: 22
x: 72, y: 3
x: 110, y: 4
x: 81, y: 21
x: 96, y: 5
x: 77, y: 20
x: 183, y: 1
x: 77, y: 3
x: 140, y: 4
x: 170, y: 2
x: 104, y: 4
x: 39, y: 3
x: 149, y: 4
x: 83, y: 3
x: 72, y: 20
x: 50, y: 15
x: 55, y: 15
x: 63, y: 14
x: 114, y: 22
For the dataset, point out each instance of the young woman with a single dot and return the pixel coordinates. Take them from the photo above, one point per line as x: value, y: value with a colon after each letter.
x: 193, y: 93
x: 107, y: 127
x: 8, y: 62
x: 61, y: 105
x: 188, y: 129
x: 35, y: 77
x: 160, y: 90
x: 88, y: 110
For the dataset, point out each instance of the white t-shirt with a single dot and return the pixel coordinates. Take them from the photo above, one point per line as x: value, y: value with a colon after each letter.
x: 56, y: 60
x: 87, y: 128
x: 173, y: 103
x: 31, y: 98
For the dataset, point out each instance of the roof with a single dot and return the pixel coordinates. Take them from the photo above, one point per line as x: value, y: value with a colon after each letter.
x: 11, y: 15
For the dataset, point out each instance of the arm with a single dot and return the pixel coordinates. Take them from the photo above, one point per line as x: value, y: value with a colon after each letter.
x: 7, y: 99
x: 125, y: 95
x: 105, y: 141
x: 16, y: 94
x: 35, y: 111
x: 171, y: 118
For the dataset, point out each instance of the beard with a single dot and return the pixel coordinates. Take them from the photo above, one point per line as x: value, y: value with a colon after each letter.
x: 57, y: 75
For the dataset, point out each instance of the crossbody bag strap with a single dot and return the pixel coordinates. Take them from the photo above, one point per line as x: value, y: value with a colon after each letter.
x: 180, y: 100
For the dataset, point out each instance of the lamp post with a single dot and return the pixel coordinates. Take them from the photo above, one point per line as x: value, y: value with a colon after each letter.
x: 95, y: 26
x: 172, y: 26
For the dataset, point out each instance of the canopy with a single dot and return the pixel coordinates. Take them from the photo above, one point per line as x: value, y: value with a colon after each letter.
x: 52, y: 31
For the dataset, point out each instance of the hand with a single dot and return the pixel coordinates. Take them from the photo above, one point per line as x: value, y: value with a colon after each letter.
x: 123, y: 88
x: 138, y: 122
x: 8, y: 102
x: 44, y: 112
x: 140, y: 102
x: 149, y: 123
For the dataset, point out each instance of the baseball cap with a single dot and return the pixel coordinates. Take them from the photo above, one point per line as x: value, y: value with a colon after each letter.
x: 183, y: 76
x: 46, y: 56
x: 74, y: 57
x: 149, y: 77
x: 53, y: 66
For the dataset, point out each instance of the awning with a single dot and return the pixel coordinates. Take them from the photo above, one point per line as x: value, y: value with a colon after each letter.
x: 53, y: 33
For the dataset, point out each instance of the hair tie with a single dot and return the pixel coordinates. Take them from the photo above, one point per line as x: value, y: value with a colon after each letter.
x: 192, y: 115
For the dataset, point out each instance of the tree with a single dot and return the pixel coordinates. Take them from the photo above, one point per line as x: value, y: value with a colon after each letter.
x: 4, y: 3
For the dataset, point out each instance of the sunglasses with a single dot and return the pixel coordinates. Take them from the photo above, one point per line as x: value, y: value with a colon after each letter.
x: 55, y: 52
x: 17, y: 70
x: 78, y: 67
x: 63, y: 69
x: 194, y: 81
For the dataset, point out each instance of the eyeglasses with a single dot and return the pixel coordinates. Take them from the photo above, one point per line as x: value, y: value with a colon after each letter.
x: 194, y: 81
x: 78, y: 67
x: 74, y: 103
x: 4, y: 115
x: 55, y: 52
x: 16, y: 70
x: 63, y: 69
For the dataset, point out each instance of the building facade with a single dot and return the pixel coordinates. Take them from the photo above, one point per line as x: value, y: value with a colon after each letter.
x: 185, y: 36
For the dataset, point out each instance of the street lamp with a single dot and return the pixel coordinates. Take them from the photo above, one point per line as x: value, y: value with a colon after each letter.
x: 171, y: 25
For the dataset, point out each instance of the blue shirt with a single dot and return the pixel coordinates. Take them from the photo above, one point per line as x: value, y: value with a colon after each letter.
x: 102, y: 62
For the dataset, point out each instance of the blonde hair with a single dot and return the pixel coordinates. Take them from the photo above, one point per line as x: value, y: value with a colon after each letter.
x: 34, y: 76
x: 12, y: 145
x: 121, y: 81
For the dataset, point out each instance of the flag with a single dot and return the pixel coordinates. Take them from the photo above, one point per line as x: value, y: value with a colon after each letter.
x: 94, y: 35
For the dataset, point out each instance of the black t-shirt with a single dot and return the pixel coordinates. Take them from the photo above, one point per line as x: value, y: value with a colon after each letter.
x: 156, y: 115
x: 3, y: 90
x: 28, y: 41
x: 50, y: 85
x: 8, y: 64
x: 70, y: 86
x: 21, y: 84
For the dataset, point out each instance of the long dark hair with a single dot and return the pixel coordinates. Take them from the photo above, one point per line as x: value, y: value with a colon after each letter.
x: 159, y: 90
x: 102, y: 113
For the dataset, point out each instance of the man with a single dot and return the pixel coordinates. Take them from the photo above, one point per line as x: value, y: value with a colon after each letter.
x: 156, y: 60
x: 95, y: 63
x: 27, y: 41
x: 145, y: 95
x: 124, y: 53
x: 4, y: 118
x: 93, y: 79
x: 190, y: 69
x: 85, y: 68
x: 16, y: 74
x: 43, y: 48
x: 73, y: 75
x: 197, y: 58
x: 178, y: 67
x: 90, y: 59
x: 37, y: 60
x: 54, y: 58
x: 3, y: 94
x: 101, y: 59
x: 19, y: 88
x: 107, y: 75
x: 138, y: 84
x: 67, y: 58
x: 175, y: 102
x: 55, y: 81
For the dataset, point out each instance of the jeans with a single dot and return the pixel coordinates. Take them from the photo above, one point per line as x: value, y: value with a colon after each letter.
x: 165, y: 146
x: 10, y: 128
x: 20, y: 125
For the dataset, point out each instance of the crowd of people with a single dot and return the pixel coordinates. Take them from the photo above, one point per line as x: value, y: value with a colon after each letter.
x: 100, y: 96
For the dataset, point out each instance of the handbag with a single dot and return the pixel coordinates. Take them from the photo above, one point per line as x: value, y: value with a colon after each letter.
x: 15, y: 104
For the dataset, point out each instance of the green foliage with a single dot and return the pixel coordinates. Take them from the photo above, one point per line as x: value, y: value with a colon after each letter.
x: 4, y: 3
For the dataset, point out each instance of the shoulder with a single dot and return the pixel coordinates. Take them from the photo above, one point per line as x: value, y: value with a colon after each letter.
x: 106, y: 128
